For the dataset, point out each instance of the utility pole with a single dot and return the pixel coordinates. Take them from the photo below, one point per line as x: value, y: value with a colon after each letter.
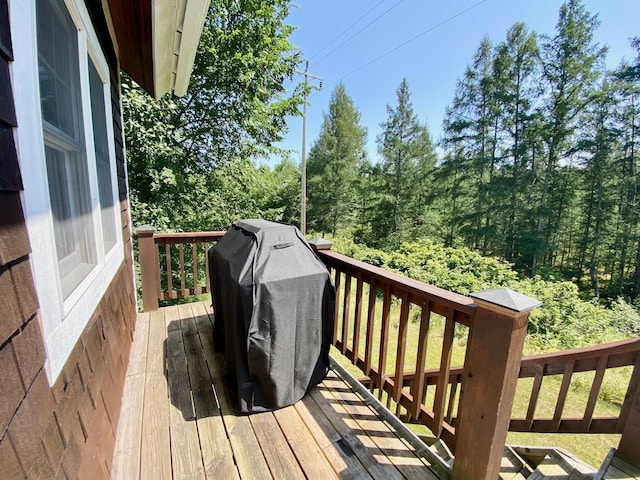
x: 303, y: 207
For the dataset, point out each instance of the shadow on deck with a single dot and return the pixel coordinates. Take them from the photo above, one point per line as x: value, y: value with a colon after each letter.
x: 177, y: 421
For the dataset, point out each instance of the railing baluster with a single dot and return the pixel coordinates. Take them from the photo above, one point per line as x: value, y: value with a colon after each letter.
x: 384, y: 337
x: 345, y: 312
x: 400, y: 351
x: 595, y: 390
x: 453, y: 390
x: 171, y: 292
x: 194, y: 258
x: 535, y: 393
x: 562, y: 394
x: 159, y: 294
x: 371, y: 315
x: 206, y: 268
x: 181, y: 264
x: 335, y: 317
x: 356, y: 321
x: 443, y: 375
x: 634, y: 384
x: 417, y: 388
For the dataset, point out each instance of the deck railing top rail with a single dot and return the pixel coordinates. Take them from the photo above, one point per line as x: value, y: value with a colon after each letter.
x: 421, y: 292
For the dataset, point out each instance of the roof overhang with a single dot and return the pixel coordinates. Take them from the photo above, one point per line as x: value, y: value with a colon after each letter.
x: 157, y: 41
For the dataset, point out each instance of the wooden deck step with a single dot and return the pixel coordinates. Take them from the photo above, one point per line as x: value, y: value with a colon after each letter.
x: 513, y: 466
x: 558, y: 464
x: 616, y: 468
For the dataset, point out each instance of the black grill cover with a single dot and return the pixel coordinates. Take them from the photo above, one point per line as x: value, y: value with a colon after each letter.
x: 274, y: 308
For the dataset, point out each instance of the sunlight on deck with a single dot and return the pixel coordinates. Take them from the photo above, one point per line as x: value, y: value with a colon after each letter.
x: 177, y: 421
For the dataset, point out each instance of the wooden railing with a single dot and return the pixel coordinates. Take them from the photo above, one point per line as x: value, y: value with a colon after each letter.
x: 598, y: 359
x: 166, y: 273
x: 441, y: 359
x: 467, y: 406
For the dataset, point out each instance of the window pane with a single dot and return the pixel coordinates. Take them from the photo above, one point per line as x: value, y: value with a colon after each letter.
x: 65, y: 154
x: 58, y: 67
x: 103, y: 167
x: 72, y: 222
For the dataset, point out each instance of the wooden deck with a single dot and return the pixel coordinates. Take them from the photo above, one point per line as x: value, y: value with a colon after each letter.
x: 176, y: 420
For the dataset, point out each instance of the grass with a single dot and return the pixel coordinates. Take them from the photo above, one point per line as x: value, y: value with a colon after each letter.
x: 591, y: 448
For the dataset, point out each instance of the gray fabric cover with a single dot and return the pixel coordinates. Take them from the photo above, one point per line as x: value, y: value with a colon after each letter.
x: 274, y: 307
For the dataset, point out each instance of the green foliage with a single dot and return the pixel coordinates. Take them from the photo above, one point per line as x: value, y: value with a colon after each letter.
x: 190, y: 160
x: 408, y: 160
x: 563, y: 321
x: 333, y: 162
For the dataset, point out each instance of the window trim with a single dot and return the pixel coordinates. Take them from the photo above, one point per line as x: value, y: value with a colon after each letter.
x: 62, y: 321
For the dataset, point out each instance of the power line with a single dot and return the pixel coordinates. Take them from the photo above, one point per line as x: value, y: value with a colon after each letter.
x: 363, y: 28
x: 347, y: 29
x: 430, y: 29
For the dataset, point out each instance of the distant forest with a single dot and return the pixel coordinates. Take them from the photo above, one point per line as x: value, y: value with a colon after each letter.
x: 538, y: 164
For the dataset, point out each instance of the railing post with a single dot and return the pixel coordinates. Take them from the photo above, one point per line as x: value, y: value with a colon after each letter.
x: 629, y: 446
x: 489, y: 379
x: 148, y: 267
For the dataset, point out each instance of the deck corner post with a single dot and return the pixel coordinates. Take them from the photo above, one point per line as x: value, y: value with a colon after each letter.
x: 490, y: 375
x: 148, y: 267
x: 629, y: 446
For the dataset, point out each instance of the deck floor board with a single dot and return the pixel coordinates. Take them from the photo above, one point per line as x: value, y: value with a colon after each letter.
x: 178, y: 422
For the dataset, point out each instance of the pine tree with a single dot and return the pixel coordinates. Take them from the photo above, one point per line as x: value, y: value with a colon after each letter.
x: 515, y: 71
x: 569, y: 62
x: 332, y: 163
x: 598, y: 144
x: 405, y: 146
x: 471, y: 127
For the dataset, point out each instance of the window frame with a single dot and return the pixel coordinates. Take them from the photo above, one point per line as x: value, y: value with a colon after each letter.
x: 62, y: 319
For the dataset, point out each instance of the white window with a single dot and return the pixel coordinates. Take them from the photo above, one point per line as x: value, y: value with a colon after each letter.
x: 67, y: 157
x: 64, y: 145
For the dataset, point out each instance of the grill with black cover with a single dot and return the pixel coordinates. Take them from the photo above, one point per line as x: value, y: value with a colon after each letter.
x: 274, y: 307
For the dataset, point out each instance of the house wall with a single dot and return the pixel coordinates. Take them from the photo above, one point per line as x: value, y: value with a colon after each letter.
x: 64, y: 430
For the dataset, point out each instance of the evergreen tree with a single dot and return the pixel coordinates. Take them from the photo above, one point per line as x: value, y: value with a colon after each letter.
x: 598, y: 143
x: 515, y: 71
x: 569, y: 63
x: 405, y: 147
x: 332, y: 163
x: 471, y: 127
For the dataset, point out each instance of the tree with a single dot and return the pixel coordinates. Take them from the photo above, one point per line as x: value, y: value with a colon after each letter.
x: 332, y: 163
x: 515, y: 71
x: 179, y: 150
x: 405, y: 146
x: 471, y: 127
x: 569, y: 64
x: 598, y: 142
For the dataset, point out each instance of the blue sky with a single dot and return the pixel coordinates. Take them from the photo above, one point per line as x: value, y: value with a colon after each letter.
x: 432, y: 63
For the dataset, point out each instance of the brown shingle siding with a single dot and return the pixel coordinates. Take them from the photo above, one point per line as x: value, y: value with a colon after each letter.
x: 25, y: 289
x: 29, y: 350
x: 10, y: 179
x: 14, y: 241
x: 25, y: 434
x: 9, y: 463
x: 53, y: 445
x: 11, y: 388
x: 6, y: 49
x: 10, y: 318
x: 7, y: 111
x: 41, y: 400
